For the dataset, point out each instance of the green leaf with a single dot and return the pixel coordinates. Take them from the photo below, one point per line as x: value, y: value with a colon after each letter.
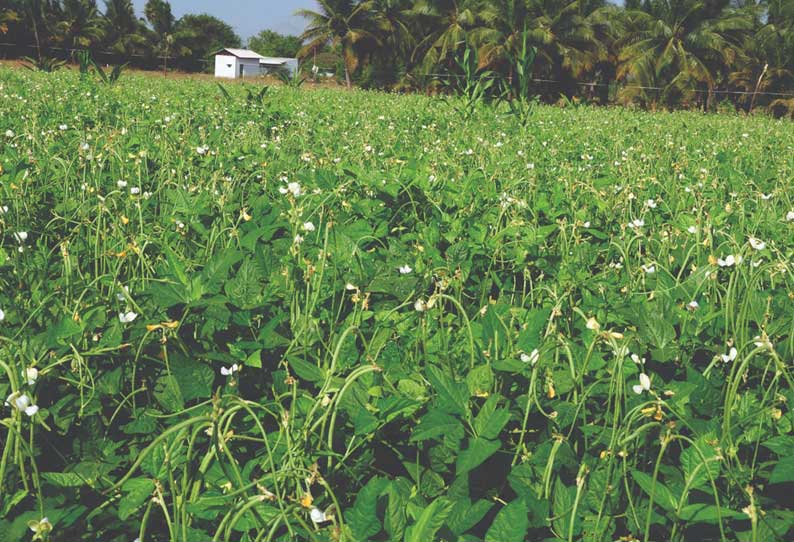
x: 168, y: 394
x: 490, y: 420
x: 435, y: 424
x: 429, y: 522
x: 478, y: 451
x: 362, y: 517
x: 306, y: 370
x: 194, y: 378
x: 254, y: 359
x: 452, y: 397
x: 692, y: 464
x: 661, y: 493
x: 783, y: 471
x: 395, y: 520
x: 562, y: 507
x: 530, y: 336
x: 782, y: 445
x: 63, y: 479
x: 245, y: 289
x: 510, y: 524
x: 480, y: 380
x: 708, y: 513
x: 465, y: 515
x: 135, y: 492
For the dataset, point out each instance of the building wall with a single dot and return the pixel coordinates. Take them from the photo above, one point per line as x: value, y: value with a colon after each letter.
x: 226, y: 66
x: 292, y: 65
x: 249, y: 66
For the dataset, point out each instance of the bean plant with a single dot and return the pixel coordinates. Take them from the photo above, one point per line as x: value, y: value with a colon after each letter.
x: 325, y: 315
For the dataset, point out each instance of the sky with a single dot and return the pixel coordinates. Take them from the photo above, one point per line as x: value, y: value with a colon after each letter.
x: 247, y: 17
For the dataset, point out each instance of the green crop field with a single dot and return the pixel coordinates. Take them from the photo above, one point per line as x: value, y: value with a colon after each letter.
x: 324, y: 315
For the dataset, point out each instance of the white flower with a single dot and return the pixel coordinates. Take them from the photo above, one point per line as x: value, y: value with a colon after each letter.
x: 121, y: 183
x: 63, y: 127
x: 120, y: 296
x: 649, y: 268
x: 636, y: 359
x: 21, y: 402
x: 201, y: 150
x: 757, y: 243
x: 636, y: 223
x: 693, y: 305
x: 298, y: 239
x: 308, y: 226
x: 317, y: 515
x: 692, y: 229
x: 762, y: 342
x: 790, y: 216
x: 651, y: 204
x: 84, y: 147
x: 42, y: 528
x: 9, y: 133
x: 21, y: 236
x: 531, y: 358
x: 127, y: 317
x: 729, y: 261
x: 2, y: 315
x: 730, y: 356
x: 586, y: 224
x: 229, y: 371
x: 405, y: 269
x: 350, y: 287
x: 644, y: 385
x: 135, y: 190
x: 420, y: 305
x: 766, y: 196
x: 593, y: 324
x: 31, y: 374
x: 293, y: 188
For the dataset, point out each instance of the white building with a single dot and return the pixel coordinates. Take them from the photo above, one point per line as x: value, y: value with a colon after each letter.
x: 270, y: 64
x: 235, y: 63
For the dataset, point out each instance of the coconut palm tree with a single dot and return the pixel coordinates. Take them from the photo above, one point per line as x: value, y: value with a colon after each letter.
x: 445, y: 25
x: 79, y: 24
x: 500, y: 35
x: 768, y: 65
x: 354, y: 27
x: 678, y: 45
x: 123, y: 30
x: 8, y: 14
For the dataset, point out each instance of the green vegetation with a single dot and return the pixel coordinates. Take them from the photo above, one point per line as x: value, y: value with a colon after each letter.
x: 657, y: 54
x: 350, y: 316
x: 653, y: 53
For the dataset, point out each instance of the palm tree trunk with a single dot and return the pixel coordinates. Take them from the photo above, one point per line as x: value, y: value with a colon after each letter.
x: 36, y: 34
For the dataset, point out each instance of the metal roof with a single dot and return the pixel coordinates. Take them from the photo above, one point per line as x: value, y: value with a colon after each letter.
x: 240, y: 53
x: 274, y: 60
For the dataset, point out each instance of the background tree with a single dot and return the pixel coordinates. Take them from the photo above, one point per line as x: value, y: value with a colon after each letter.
x: 203, y: 34
x: 79, y: 24
x: 352, y: 27
x: 164, y: 38
x: 680, y: 45
x: 124, y: 32
x: 270, y: 43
